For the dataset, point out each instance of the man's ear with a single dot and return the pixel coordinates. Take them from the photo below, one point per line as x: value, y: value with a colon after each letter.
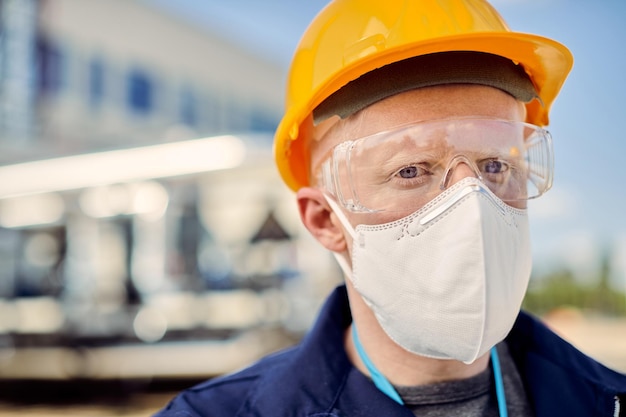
x: 319, y: 219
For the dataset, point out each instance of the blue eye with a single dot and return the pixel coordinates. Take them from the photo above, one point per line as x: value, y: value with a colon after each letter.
x: 411, y: 177
x: 494, y: 166
x: 408, y: 172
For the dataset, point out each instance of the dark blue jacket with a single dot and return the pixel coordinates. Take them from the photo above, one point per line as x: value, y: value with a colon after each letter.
x: 316, y: 379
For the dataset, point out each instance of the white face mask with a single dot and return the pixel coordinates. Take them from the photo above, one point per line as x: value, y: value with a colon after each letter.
x: 447, y: 281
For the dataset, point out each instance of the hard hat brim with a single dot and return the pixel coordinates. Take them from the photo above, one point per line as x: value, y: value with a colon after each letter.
x: 546, y: 62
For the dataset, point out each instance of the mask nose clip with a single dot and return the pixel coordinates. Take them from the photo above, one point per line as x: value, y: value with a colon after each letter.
x: 446, y: 179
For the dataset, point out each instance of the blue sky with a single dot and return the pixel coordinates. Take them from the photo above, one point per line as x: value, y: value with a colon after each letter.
x: 584, y: 212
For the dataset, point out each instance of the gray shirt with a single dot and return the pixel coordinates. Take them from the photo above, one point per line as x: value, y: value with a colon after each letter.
x: 471, y: 397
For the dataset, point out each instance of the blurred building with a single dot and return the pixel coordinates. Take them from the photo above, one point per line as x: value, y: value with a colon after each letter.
x: 87, y: 74
x: 143, y: 229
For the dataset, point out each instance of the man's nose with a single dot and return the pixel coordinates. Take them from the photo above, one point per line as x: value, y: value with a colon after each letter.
x: 459, y: 168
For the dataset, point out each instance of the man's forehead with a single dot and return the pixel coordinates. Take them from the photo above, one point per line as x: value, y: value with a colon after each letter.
x: 421, y: 104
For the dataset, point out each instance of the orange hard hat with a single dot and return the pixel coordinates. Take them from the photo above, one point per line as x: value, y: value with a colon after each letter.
x: 350, y: 38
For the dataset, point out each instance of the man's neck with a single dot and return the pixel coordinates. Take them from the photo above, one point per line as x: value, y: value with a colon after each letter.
x: 401, y: 367
x: 398, y: 365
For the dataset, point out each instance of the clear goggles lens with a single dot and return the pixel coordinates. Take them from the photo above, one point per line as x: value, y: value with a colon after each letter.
x: 405, y: 168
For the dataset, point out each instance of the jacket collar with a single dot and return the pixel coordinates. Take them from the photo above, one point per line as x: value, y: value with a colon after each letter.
x: 559, y: 379
x: 319, y: 379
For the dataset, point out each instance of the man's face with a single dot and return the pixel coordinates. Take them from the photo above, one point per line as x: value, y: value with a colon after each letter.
x: 432, y: 103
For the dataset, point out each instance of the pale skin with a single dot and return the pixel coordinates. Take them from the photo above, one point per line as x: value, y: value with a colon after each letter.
x: 398, y: 365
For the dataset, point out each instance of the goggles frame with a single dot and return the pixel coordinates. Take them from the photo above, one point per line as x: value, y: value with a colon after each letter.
x: 538, y: 155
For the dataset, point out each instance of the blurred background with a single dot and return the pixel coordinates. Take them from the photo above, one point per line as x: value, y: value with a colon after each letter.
x: 146, y: 242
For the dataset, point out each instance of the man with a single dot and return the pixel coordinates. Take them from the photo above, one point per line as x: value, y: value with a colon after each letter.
x: 413, y: 137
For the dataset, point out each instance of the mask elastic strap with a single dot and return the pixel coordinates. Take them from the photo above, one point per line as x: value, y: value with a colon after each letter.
x: 341, y: 216
x: 340, y: 258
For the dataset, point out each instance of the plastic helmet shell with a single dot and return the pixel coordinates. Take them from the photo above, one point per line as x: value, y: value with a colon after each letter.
x: 350, y: 38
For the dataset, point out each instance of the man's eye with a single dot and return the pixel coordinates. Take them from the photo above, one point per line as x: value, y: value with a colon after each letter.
x: 494, y: 166
x: 409, y: 172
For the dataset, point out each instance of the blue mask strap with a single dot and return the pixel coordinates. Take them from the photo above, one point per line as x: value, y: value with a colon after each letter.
x: 379, y: 379
x: 385, y: 386
x: 497, y: 376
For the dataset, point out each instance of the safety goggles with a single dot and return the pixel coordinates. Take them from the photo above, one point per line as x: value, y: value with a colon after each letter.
x: 404, y: 168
